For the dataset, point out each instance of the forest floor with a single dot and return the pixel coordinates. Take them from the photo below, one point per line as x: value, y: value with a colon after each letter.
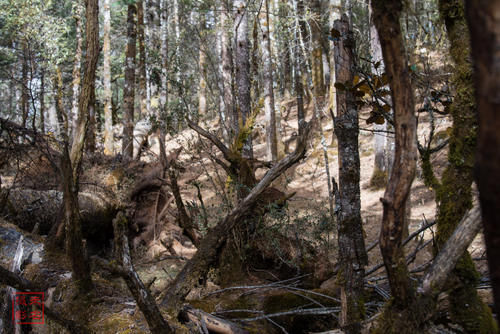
x: 306, y: 221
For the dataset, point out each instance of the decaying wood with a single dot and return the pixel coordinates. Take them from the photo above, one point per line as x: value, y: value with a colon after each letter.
x: 210, y: 322
x: 20, y: 283
x: 448, y: 256
x: 197, y: 268
x: 27, y: 208
x: 125, y: 269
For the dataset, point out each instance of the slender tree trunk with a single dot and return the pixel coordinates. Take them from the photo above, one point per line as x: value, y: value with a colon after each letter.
x: 108, y: 111
x: 229, y: 107
x: 42, y: 101
x: 298, y: 84
x: 164, y: 63
x: 271, y: 140
x: 142, y: 60
x: 129, y: 87
x: 484, y: 19
x: 24, y: 85
x: 72, y: 161
x: 386, y: 16
x: 202, y: 62
x: 317, y: 51
x: 352, y: 254
x: 62, y: 117
x: 242, y: 67
x: 73, y: 117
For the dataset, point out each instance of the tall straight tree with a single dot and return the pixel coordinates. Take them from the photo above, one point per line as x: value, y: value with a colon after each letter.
x: 142, y: 60
x: 271, y: 139
x: 108, y: 111
x: 317, y: 51
x: 78, y: 13
x: 227, y: 103
x: 72, y: 160
x: 484, y: 21
x: 202, y: 64
x: 386, y: 15
x: 352, y: 254
x: 242, y: 67
x: 129, y: 87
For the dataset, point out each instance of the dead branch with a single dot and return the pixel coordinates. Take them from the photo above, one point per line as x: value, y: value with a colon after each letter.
x: 208, y: 252
x: 445, y: 261
x: 213, y: 324
x: 125, y: 269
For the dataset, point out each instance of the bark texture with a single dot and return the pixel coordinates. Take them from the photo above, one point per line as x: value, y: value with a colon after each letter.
x: 242, y: 67
x: 271, y: 139
x: 72, y: 161
x: 386, y: 16
x: 78, y: 14
x: 484, y: 24
x: 129, y: 87
x: 352, y: 254
x: 106, y: 73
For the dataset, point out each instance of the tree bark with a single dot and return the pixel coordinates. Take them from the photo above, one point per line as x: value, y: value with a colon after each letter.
x: 42, y: 101
x: 242, y: 67
x: 352, y: 254
x: 106, y: 73
x: 271, y: 139
x: 202, y: 63
x: 129, y: 87
x: 386, y: 16
x: 317, y: 51
x: 78, y: 14
x: 142, y: 61
x: 484, y: 19
x: 24, y: 85
x: 228, y: 103
x: 71, y: 161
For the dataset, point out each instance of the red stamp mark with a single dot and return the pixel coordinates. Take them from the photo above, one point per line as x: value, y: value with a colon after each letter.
x: 28, y: 308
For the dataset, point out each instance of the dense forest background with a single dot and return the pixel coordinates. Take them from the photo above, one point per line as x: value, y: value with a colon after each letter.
x: 261, y: 166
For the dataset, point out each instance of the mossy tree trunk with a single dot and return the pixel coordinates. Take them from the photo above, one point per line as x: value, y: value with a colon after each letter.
x: 453, y: 193
x: 386, y: 15
x: 352, y: 254
x: 484, y: 20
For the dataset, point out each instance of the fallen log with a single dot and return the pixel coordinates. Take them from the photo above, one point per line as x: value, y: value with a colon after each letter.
x: 28, y: 208
x: 210, y: 322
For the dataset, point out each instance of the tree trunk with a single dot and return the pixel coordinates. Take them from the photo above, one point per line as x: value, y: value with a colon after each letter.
x: 484, y: 20
x: 129, y: 87
x: 24, y: 85
x: 352, y: 254
x: 386, y: 16
x: 317, y: 51
x: 299, y: 87
x: 108, y: 111
x: 284, y: 45
x: 454, y: 195
x: 42, y: 101
x: 228, y: 108
x: 271, y: 139
x: 202, y: 63
x: 90, y: 141
x: 142, y: 60
x: 242, y: 67
x: 73, y: 118
x: 72, y: 161
x: 380, y: 168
